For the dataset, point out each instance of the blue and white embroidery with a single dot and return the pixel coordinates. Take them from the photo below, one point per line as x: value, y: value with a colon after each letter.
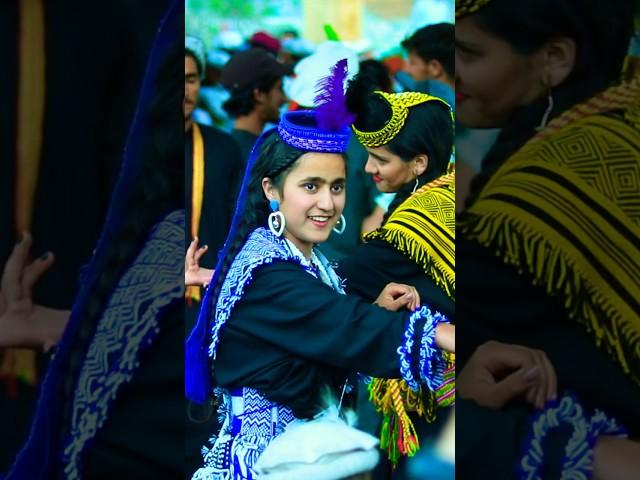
x: 246, y: 432
x: 261, y: 248
x: 578, y: 459
x: 432, y: 363
x: 128, y: 325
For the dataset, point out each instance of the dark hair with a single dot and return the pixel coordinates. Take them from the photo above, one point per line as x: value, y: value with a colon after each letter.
x: 242, y: 101
x: 189, y: 53
x: 428, y: 130
x: 434, y: 42
x: 275, y: 160
x: 602, y: 41
x: 378, y: 72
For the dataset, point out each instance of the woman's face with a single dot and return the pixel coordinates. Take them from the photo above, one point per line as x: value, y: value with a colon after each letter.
x: 492, y: 80
x: 388, y: 171
x: 312, y: 198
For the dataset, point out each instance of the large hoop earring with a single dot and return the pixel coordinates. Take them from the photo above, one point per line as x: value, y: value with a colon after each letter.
x: 276, y: 219
x: 415, y: 187
x: 341, y: 225
x: 547, y: 112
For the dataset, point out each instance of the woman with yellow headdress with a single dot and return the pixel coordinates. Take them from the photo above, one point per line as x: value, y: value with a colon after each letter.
x: 409, y: 138
x: 548, y: 243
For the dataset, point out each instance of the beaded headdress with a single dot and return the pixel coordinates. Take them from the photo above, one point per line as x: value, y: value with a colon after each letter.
x: 467, y: 7
x: 325, y: 129
x: 400, y: 104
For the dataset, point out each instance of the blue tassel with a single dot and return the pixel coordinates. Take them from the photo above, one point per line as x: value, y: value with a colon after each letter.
x: 237, y: 469
x: 197, y: 376
x: 197, y: 371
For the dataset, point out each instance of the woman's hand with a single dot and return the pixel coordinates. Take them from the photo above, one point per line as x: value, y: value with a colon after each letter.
x: 23, y: 324
x: 396, y: 296
x: 193, y: 273
x: 446, y: 337
x: 497, y: 373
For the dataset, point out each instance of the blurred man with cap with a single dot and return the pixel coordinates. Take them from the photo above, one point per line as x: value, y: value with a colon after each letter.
x: 254, y: 81
x: 212, y: 158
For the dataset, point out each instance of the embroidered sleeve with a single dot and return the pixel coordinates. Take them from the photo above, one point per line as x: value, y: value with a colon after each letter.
x: 577, y: 462
x: 422, y: 363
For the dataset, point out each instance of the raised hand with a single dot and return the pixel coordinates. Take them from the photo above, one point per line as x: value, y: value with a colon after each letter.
x: 22, y: 323
x: 193, y: 273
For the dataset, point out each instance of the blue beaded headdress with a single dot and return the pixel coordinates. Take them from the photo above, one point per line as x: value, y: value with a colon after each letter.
x: 325, y: 129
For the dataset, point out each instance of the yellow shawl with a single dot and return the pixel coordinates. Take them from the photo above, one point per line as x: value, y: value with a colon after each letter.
x: 565, y: 210
x: 423, y: 229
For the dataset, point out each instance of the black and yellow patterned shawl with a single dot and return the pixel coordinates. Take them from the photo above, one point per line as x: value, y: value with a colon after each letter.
x: 423, y: 229
x: 565, y: 210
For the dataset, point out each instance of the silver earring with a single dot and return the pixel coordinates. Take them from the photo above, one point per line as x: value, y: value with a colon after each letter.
x: 415, y: 187
x: 547, y: 112
x: 341, y: 225
x: 276, y: 219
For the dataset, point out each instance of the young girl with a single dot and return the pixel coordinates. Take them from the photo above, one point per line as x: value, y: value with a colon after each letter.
x: 280, y: 330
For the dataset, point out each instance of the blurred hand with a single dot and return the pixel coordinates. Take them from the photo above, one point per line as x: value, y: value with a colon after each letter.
x: 396, y: 296
x: 497, y: 373
x: 23, y: 324
x: 446, y: 337
x: 193, y: 273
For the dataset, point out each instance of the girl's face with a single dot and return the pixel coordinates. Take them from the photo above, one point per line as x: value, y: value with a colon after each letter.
x: 492, y: 80
x: 312, y: 198
x: 389, y: 171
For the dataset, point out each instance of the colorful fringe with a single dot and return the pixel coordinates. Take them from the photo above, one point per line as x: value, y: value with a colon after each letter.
x: 423, y: 229
x: 395, y: 400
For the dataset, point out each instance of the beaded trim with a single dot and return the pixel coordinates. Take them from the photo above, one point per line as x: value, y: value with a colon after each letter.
x: 400, y: 104
x: 578, y: 459
x: 467, y: 7
x: 432, y: 362
x: 294, y: 131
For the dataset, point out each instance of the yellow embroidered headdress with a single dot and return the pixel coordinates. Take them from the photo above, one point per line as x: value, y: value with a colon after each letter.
x: 467, y: 7
x: 400, y: 104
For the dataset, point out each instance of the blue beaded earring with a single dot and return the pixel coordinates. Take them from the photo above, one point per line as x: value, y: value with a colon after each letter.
x: 276, y: 219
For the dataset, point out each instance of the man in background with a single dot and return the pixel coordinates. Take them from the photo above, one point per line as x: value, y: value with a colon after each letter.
x: 254, y: 81
x: 431, y: 63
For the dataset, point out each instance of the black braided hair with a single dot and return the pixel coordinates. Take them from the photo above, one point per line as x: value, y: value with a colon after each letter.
x: 602, y: 41
x: 428, y: 130
x: 275, y: 160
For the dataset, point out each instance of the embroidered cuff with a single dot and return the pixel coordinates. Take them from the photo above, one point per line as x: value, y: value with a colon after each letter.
x: 427, y: 367
x: 578, y: 455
